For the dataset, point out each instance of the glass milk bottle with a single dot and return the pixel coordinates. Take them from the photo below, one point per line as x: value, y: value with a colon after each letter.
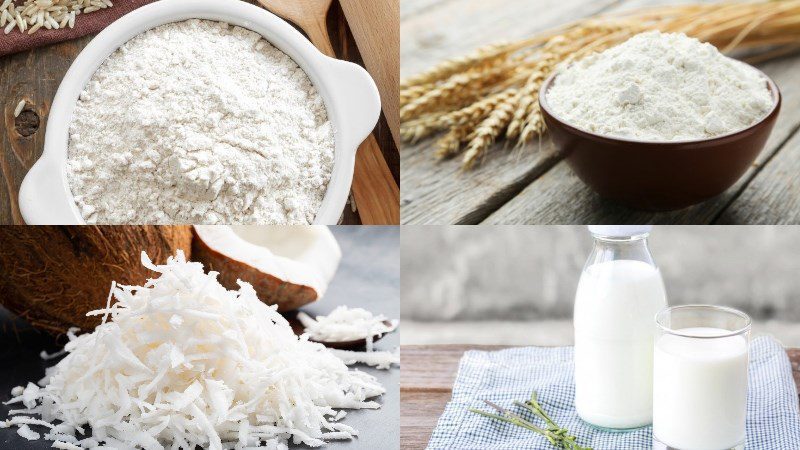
x: 619, y: 294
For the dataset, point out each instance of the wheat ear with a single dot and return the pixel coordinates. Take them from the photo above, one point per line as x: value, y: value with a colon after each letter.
x: 534, y: 125
x: 454, y: 91
x: 414, y: 130
x: 445, y: 69
x: 528, y: 97
x: 450, y: 144
x: 414, y: 92
x: 489, y: 129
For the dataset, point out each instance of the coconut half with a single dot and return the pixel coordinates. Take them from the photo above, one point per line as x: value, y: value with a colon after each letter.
x: 290, y: 266
x: 52, y: 276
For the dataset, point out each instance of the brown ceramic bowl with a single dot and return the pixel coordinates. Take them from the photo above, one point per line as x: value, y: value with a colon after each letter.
x: 659, y: 176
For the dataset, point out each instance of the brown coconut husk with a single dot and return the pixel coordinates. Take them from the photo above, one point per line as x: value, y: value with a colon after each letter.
x: 270, y: 289
x: 52, y: 276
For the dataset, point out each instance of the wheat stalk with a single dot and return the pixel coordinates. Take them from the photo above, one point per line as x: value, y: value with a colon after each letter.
x: 478, y: 110
x: 483, y: 56
x: 528, y: 97
x: 489, y: 129
x: 450, y: 143
x: 453, y: 92
x: 416, y: 129
x: 414, y: 92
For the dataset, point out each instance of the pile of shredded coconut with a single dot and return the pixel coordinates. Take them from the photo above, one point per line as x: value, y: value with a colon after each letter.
x: 183, y: 362
x: 199, y: 122
x: 660, y: 87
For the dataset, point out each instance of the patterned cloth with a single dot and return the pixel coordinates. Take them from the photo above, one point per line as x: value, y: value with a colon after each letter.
x: 773, y: 420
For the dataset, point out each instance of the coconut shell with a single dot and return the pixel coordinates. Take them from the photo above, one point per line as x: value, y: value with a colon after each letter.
x: 269, y: 288
x: 52, y: 276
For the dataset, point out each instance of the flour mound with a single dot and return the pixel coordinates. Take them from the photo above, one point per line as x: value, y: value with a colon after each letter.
x: 660, y: 87
x: 199, y: 122
x: 185, y: 363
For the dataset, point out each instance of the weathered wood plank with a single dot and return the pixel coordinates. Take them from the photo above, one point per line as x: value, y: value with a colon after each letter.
x: 559, y: 197
x: 794, y: 359
x: 426, y: 368
x: 454, y: 28
x: 439, y: 191
x: 409, y: 8
x: 34, y: 76
x: 419, y: 413
x: 773, y: 196
x: 426, y: 384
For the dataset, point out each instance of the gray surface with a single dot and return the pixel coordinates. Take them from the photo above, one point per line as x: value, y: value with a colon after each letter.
x: 525, y: 273
x: 367, y: 277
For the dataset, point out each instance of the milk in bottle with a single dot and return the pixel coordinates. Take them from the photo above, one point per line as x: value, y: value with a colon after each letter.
x: 619, y: 293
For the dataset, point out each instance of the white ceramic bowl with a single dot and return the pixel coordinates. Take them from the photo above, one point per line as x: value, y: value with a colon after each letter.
x: 350, y: 96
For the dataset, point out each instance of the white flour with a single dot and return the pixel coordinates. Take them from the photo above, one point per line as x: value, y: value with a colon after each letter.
x: 660, y: 87
x: 199, y: 122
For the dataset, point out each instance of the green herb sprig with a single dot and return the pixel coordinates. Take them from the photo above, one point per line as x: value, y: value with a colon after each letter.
x: 558, y: 436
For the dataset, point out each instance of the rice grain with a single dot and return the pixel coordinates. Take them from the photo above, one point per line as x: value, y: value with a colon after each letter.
x: 33, y: 15
x: 18, y: 109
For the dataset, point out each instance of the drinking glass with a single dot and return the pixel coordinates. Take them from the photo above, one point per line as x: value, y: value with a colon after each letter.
x: 700, y: 378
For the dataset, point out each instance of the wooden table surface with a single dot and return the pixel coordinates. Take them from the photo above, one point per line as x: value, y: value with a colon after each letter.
x: 35, y: 75
x: 533, y: 184
x: 426, y: 385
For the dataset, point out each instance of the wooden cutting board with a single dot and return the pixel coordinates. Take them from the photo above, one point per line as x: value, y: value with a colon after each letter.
x: 426, y: 385
x: 375, y: 25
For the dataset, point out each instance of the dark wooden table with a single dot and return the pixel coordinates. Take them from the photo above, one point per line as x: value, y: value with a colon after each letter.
x: 426, y: 385
x: 533, y: 184
x: 35, y: 75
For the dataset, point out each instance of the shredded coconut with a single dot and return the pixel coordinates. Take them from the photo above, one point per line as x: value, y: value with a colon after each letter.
x: 65, y: 446
x: 379, y: 360
x: 230, y: 374
x: 47, y: 356
x: 199, y: 122
x: 346, y: 324
x: 27, y: 433
x: 660, y: 87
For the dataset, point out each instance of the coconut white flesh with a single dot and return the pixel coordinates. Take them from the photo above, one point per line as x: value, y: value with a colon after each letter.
x: 229, y: 373
x: 306, y: 255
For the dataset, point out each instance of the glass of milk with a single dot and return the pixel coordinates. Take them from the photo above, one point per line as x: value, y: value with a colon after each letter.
x: 700, y: 378
x: 619, y: 293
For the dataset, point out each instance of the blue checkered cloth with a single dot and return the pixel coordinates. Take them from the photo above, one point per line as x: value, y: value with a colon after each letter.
x: 773, y: 420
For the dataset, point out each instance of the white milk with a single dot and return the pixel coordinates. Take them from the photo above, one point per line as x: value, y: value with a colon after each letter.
x: 615, y: 308
x: 700, y: 390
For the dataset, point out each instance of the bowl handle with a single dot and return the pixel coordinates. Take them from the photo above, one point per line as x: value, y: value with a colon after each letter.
x: 43, y: 199
x: 357, y: 99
